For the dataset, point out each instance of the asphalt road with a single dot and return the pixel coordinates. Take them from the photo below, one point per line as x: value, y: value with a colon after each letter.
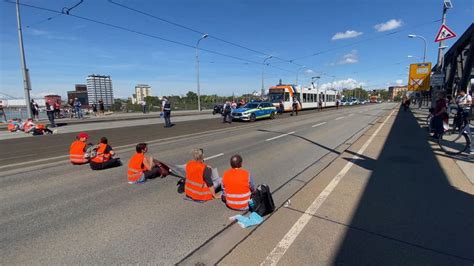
x: 56, y: 213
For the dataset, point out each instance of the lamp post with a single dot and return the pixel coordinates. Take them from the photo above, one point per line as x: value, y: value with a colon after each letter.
x: 197, y: 70
x: 424, y: 40
x: 297, y: 72
x: 26, y: 75
x: 312, y: 81
x: 263, y: 72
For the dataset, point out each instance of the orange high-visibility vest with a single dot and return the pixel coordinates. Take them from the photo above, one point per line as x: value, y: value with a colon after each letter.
x: 101, y: 157
x: 236, y: 183
x: 195, y: 187
x: 135, y: 167
x: 27, y: 126
x: 76, y: 152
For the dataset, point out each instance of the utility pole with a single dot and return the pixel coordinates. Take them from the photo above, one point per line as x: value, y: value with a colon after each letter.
x: 26, y: 75
x: 439, y: 66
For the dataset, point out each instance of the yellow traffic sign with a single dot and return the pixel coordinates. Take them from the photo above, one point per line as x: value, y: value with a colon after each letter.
x: 419, y: 77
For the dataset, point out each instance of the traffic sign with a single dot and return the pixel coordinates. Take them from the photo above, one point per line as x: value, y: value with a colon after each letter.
x: 444, y: 33
x: 437, y: 79
x: 419, y: 77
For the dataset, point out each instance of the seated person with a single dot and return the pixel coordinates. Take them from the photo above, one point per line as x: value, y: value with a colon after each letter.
x: 29, y: 125
x: 14, y: 125
x: 78, y: 150
x: 237, y: 185
x: 199, y: 184
x: 103, y: 158
x: 142, y: 167
x: 41, y: 129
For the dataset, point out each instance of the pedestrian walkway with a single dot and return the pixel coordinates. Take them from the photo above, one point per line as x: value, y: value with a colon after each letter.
x: 390, y: 199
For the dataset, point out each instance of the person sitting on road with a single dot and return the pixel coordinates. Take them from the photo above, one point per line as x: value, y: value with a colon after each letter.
x: 199, y: 184
x: 78, y: 151
x: 42, y: 129
x: 142, y: 167
x: 29, y: 125
x: 14, y: 125
x: 237, y: 185
x: 103, y: 158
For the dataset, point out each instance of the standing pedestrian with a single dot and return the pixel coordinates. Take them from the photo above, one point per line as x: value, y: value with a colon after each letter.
x: 282, y: 107
x: 320, y: 103
x: 94, y: 109
x: 77, y: 108
x: 50, y: 113
x: 337, y: 104
x: 227, y: 110
x: 34, y: 109
x: 166, y: 109
x: 439, y: 115
x: 294, y: 105
x: 143, y: 107
x: 57, y: 108
x: 101, y: 107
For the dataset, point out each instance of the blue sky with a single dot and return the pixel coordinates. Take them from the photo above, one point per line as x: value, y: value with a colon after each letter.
x: 63, y: 51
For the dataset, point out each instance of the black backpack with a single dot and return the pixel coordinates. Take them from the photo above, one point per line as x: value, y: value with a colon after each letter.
x: 262, y: 200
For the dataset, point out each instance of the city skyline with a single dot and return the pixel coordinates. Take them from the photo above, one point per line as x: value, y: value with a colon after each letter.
x: 346, y: 51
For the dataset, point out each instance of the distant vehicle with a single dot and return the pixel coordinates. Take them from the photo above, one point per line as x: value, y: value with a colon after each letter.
x: 308, y: 97
x: 254, y: 110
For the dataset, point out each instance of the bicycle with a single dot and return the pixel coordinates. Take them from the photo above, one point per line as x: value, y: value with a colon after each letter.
x: 456, y: 143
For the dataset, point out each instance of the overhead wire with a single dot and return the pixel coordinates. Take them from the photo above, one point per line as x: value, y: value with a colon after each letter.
x: 65, y: 10
x: 148, y: 35
x: 201, y: 32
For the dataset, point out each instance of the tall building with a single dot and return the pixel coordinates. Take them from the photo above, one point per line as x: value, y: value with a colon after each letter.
x: 141, y: 91
x: 80, y: 93
x: 394, y: 90
x: 100, y: 88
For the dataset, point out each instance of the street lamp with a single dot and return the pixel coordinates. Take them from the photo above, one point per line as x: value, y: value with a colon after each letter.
x: 197, y: 70
x: 312, y: 81
x: 263, y: 72
x: 424, y: 40
x: 297, y: 72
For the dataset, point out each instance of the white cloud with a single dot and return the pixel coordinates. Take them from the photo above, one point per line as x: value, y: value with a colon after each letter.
x: 308, y: 72
x: 346, y: 35
x: 350, y: 58
x: 399, y: 81
x: 342, y: 84
x: 389, y: 25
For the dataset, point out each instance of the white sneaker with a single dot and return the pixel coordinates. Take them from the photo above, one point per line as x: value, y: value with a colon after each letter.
x: 55, y: 131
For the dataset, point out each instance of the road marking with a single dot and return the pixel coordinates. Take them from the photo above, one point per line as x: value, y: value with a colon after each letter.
x: 281, y: 248
x: 213, y: 156
x: 277, y: 137
x: 320, y: 124
x: 341, y: 117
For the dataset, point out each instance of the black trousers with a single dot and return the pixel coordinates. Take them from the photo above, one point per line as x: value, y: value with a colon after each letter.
x: 153, y: 173
x: 114, y: 162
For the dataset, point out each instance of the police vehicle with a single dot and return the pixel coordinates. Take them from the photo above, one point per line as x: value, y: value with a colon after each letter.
x: 254, y: 110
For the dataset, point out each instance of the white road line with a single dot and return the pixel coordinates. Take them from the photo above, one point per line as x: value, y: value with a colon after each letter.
x: 320, y: 124
x: 213, y: 156
x: 277, y: 137
x: 281, y: 248
x: 341, y: 117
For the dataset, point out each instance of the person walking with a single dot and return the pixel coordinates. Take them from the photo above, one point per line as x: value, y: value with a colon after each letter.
x: 166, y: 109
x: 34, y: 109
x: 337, y: 104
x: 439, y: 115
x: 282, y: 107
x: 464, y: 101
x: 50, y: 113
x: 320, y: 104
x: 94, y: 109
x: 77, y: 108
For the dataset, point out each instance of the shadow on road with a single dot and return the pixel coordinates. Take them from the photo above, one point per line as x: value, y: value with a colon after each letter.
x: 409, y: 213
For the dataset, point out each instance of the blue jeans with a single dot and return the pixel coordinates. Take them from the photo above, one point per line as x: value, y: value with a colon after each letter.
x: 78, y: 112
x: 167, y: 117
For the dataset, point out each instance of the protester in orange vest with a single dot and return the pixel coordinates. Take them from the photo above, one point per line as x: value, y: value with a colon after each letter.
x: 103, y: 159
x: 77, y: 151
x: 199, y: 184
x: 237, y: 185
x: 142, y: 167
x: 29, y: 125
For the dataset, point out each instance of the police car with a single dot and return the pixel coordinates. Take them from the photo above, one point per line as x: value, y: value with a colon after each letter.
x: 254, y: 110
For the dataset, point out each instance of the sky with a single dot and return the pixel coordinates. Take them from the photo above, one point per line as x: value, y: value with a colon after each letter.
x: 345, y: 43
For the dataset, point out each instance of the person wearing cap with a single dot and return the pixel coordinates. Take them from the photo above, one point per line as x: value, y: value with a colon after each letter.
x: 77, y: 151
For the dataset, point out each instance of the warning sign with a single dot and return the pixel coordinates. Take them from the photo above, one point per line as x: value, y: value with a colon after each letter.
x: 419, y: 77
x: 444, y: 33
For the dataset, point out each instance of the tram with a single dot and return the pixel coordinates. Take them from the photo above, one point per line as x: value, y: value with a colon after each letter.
x: 307, y: 97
